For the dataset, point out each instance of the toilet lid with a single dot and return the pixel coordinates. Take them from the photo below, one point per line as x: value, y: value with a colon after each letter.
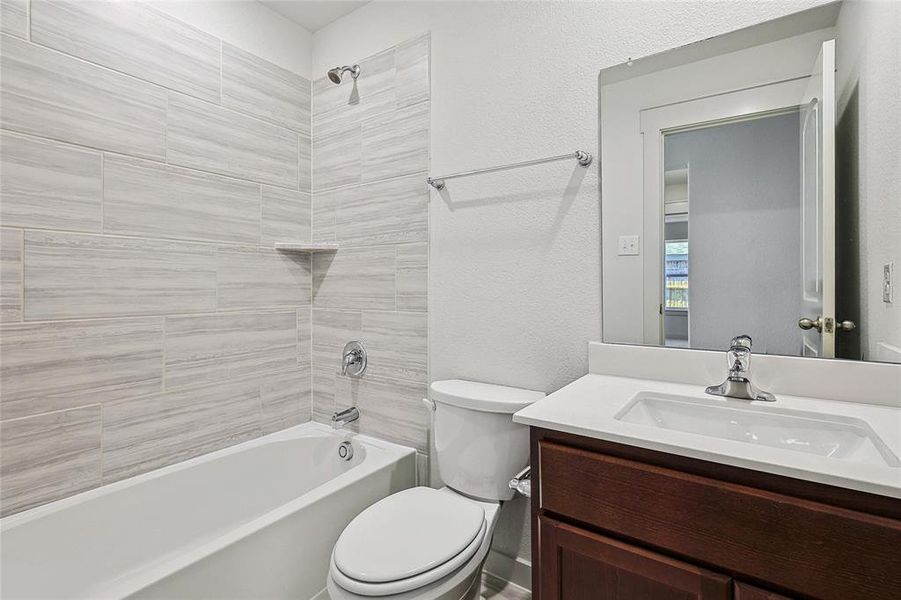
x: 408, y: 533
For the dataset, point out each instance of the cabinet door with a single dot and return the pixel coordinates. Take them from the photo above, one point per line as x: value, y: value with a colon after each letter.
x: 581, y: 565
x: 743, y: 591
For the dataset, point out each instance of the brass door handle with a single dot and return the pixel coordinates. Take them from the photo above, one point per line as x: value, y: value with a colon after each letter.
x: 805, y: 323
x: 845, y: 326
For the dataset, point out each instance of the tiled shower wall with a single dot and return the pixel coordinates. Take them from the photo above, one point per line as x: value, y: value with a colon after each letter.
x: 147, y: 169
x: 370, y: 163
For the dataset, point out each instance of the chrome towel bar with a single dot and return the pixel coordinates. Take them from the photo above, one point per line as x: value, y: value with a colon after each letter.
x: 583, y: 157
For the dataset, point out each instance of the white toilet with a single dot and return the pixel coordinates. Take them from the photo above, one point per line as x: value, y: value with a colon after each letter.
x: 431, y: 544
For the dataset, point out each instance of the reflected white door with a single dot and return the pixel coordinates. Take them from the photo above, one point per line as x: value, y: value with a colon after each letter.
x: 818, y: 208
x: 655, y: 124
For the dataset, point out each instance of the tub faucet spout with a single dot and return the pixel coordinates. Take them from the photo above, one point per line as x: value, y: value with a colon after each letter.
x: 343, y: 417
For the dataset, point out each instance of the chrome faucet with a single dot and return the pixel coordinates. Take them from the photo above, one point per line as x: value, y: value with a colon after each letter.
x: 738, y: 381
x: 343, y: 417
x: 353, y: 359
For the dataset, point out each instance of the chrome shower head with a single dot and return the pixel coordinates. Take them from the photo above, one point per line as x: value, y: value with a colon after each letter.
x: 338, y: 72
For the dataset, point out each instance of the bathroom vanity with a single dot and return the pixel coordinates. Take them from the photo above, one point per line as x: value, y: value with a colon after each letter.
x: 645, y: 489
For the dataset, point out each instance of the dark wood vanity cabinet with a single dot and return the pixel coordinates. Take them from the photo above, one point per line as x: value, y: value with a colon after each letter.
x: 615, y: 522
x: 581, y: 565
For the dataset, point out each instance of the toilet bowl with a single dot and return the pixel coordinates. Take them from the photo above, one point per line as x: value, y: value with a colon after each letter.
x: 430, y: 544
x: 421, y: 544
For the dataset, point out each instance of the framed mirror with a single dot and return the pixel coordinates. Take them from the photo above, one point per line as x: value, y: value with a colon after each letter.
x: 751, y: 184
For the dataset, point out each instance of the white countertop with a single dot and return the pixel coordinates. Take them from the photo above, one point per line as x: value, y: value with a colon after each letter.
x: 588, y: 407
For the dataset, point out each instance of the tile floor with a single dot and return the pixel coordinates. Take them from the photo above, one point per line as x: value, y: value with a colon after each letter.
x: 494, y: 588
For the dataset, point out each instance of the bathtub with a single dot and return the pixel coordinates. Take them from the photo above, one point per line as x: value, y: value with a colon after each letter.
x: 257, y: 520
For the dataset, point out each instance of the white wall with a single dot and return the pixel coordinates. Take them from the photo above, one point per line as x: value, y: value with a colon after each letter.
x: 250, y: 26
x: 515, y: 256
x: 868, y: 63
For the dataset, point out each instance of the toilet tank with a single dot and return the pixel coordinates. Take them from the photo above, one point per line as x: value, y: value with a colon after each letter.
x: 478, y: 447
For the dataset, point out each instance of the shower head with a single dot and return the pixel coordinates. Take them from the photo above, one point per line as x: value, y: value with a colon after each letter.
x: 338, y: 72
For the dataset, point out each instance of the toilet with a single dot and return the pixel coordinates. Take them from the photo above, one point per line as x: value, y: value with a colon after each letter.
x: 430, y: 544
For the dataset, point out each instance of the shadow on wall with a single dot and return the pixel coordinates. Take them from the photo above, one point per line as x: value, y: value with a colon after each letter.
x: 570, y: 192
x: 847, y: 227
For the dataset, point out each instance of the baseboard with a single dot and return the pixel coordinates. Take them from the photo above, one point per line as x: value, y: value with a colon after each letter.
x: 513, y: 569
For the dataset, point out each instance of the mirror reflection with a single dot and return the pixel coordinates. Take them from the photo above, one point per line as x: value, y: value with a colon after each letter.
x: 746, y: 191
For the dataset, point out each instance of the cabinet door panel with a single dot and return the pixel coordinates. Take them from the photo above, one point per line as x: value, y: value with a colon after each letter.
x: 813, y: 549
x: 580, y: 565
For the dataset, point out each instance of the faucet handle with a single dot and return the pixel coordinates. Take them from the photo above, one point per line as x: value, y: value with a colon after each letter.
x: 744, y: 340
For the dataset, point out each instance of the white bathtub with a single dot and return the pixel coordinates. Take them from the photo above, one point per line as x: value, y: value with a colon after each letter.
x: 257, y: 520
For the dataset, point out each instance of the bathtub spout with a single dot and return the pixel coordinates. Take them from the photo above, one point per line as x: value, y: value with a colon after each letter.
x: 342, y: 418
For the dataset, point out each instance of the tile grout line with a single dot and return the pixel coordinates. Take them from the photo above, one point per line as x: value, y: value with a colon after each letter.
x: 102, y: 194
x: 53, y: 412
x: 22, y: 277
x: 244, y: 311
x: 160, y: 86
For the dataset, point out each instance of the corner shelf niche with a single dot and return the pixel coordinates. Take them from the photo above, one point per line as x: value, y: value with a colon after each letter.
x: 306, y: 246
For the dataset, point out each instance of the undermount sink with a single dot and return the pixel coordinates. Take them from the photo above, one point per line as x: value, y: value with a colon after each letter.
x: 830, y: 436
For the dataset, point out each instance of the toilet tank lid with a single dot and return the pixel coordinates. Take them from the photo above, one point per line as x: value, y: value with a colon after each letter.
x: 485, y: 397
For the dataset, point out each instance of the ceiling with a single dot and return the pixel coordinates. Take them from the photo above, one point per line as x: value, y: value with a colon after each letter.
x: 313, y: 15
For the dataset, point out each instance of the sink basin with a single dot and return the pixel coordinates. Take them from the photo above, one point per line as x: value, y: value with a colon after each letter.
x: 829, y: 436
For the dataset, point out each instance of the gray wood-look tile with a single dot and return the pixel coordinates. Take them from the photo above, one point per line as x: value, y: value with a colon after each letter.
x: 147, y: 433
x: 261, y: 277
x: 285, y: 399
x: 49, y: 185
x: 396, y: 143
x: 134, y: 38
x: 260, y: 88
x: 52, y: 95
x: 385, y: 212
x: 337, y: 157
x: 204, y: 136
x: 411, y: 61
x: 10, y: 274
x: 59, y: 365
x: 355, y: 278
x: 305, y: 335
x: 331, y: 330
x: 323, y: 214
x: 285, y: 216
x: 68, y: 276
x: 150, y: 199
x: 390, y: 409
x: 412, y: 264
x: 305, y: 163
x: 14, y: 17
x: 371, y: 94
x: 48, y: 457
x: 323, y: 393
x: 423, y: 470
x: 217, y: 347
x: 398, y: 344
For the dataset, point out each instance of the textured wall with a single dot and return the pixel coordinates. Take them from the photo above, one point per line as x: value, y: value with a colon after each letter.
x: 370, y: 161
x: 147, y: 169
x: 514, y: 280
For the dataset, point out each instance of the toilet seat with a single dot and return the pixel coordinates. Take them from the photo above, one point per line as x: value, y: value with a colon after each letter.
x: 407, y: 541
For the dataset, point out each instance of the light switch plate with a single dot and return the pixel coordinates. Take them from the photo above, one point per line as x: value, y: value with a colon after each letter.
x: 888, y: 282
x: 629, y: 245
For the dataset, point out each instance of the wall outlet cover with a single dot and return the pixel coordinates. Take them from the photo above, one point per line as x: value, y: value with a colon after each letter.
x: 629, y: 245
